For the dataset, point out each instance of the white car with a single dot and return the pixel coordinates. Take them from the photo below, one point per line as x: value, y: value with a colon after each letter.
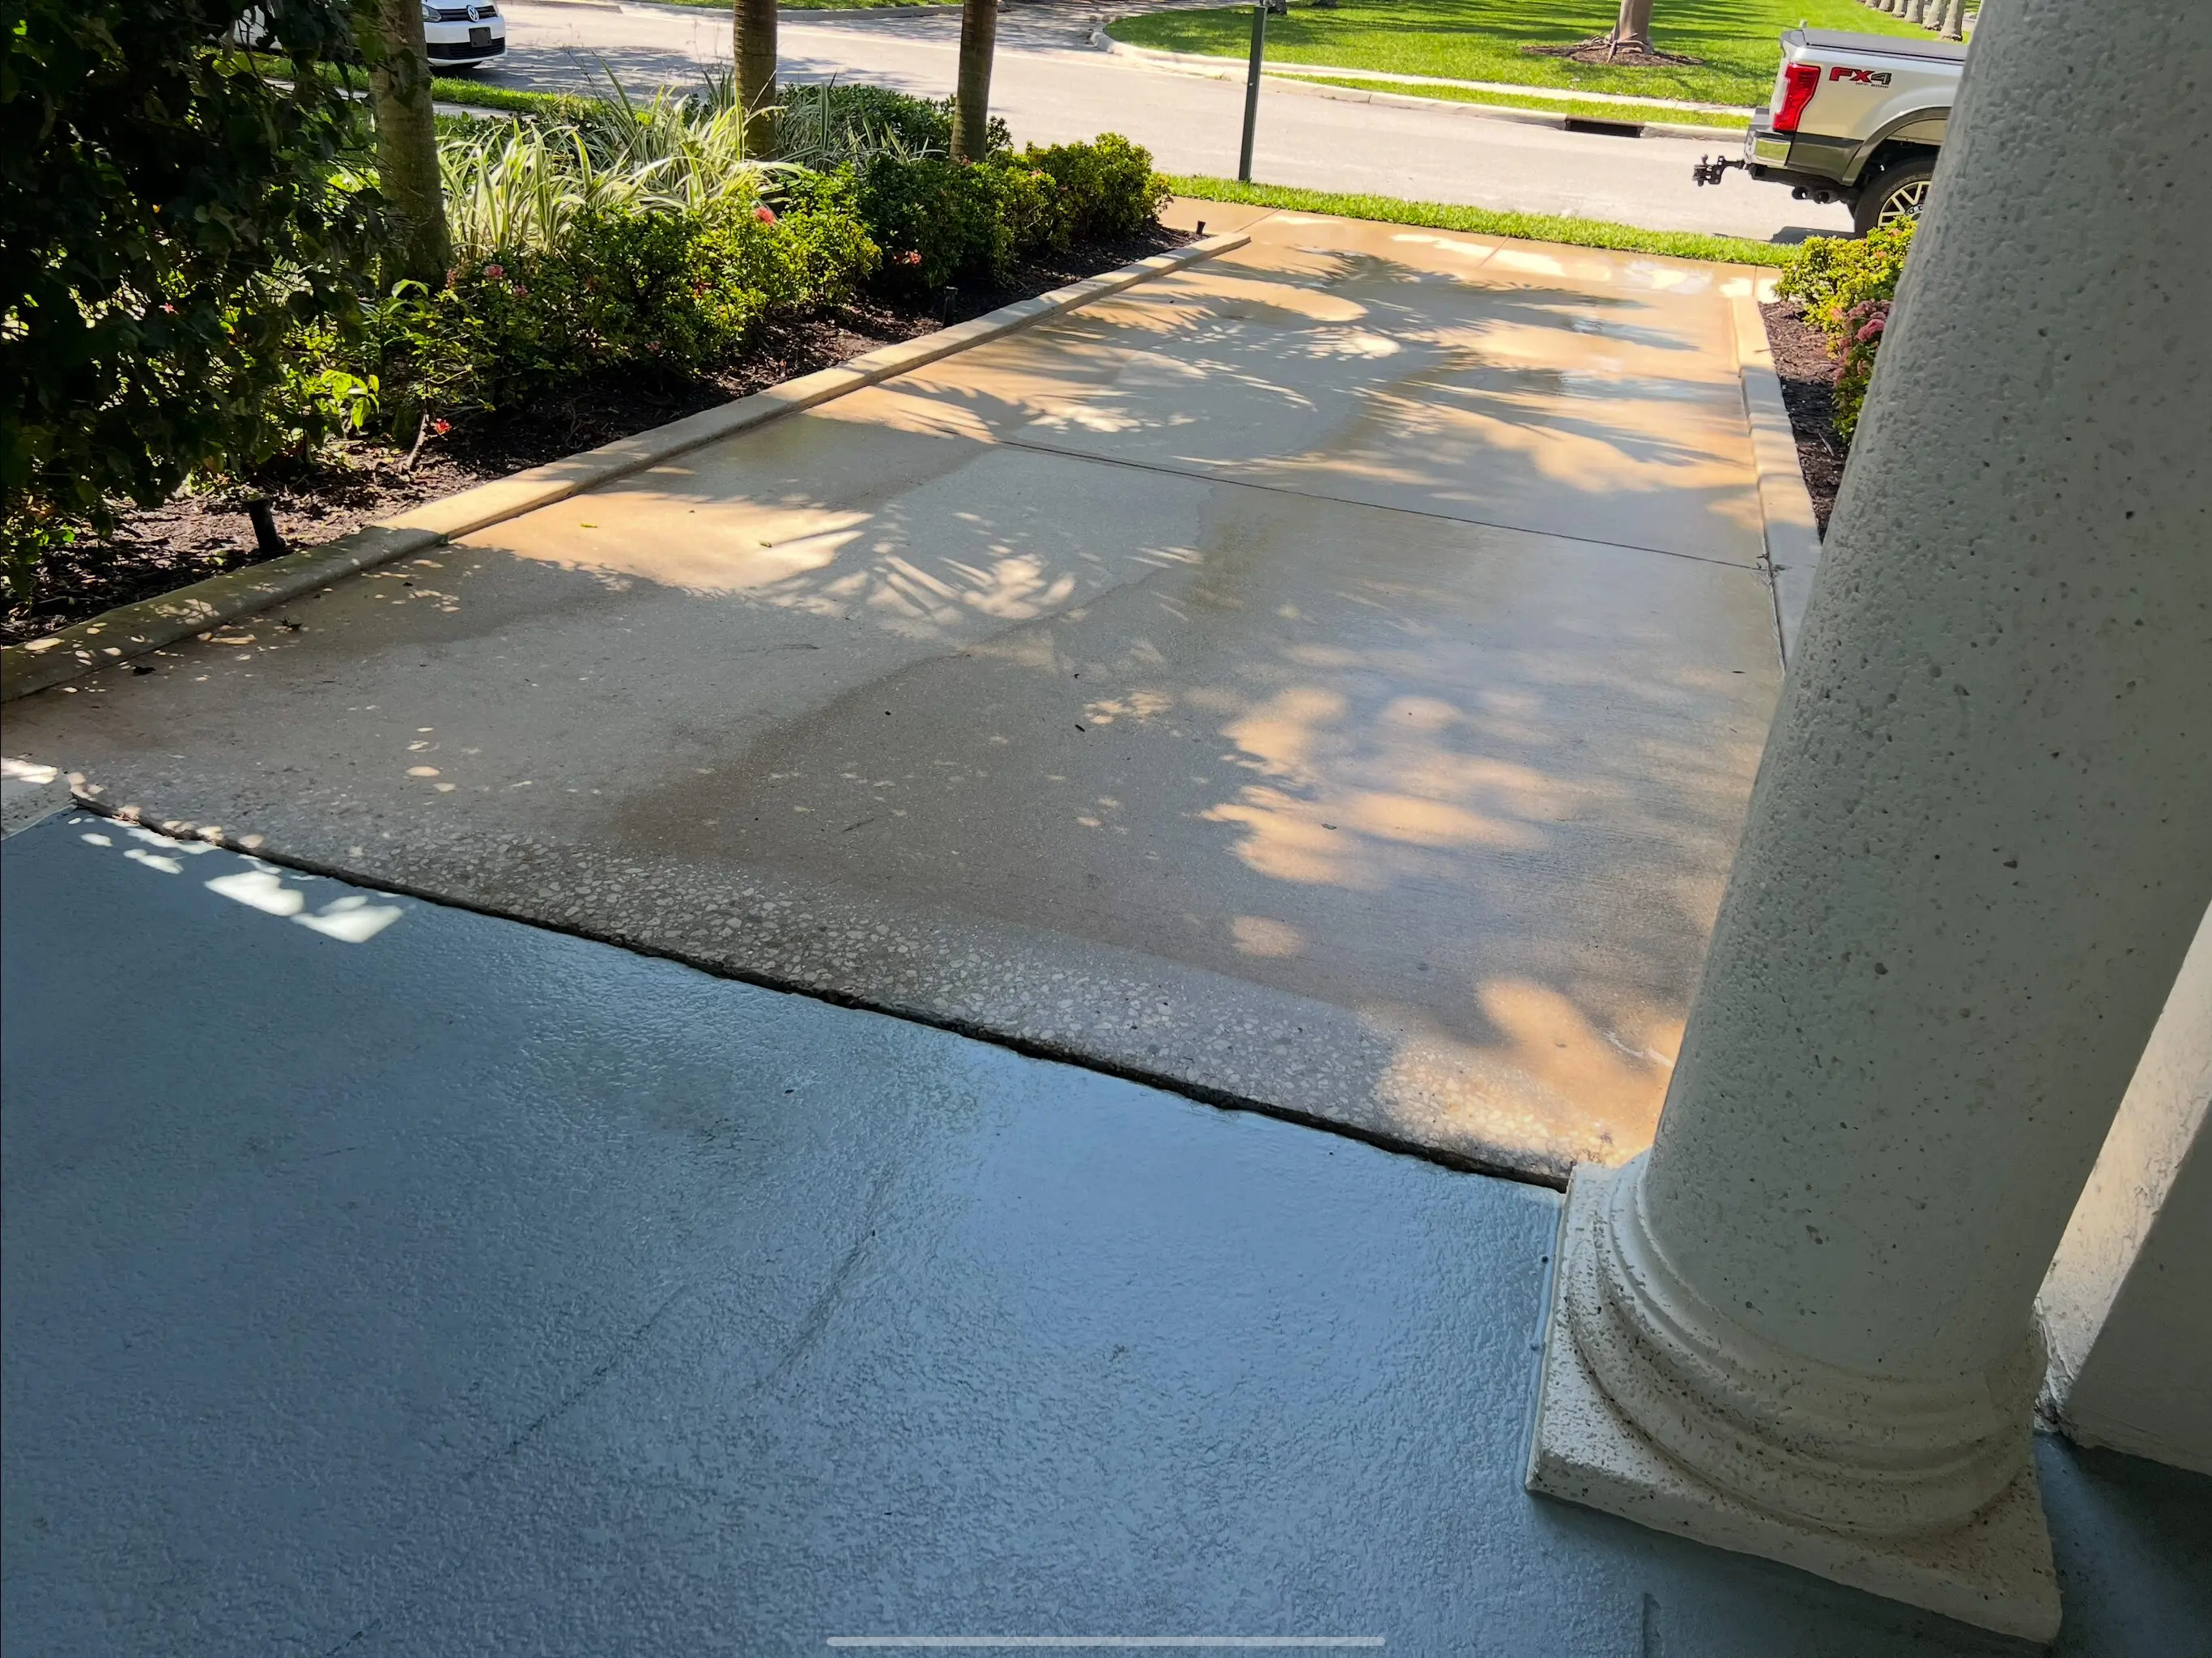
x: 461, y: 36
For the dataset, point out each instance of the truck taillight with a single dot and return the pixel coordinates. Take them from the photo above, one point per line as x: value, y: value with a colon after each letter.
x: 1799, y: 82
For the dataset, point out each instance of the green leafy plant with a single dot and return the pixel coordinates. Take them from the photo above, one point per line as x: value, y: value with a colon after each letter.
x: 829, y: 126
x: 937, y: 218
x: 1831, y: 275
x: 169, y: 219
x: 813, y: 253
x: 1107, y: 188
x: 646, y: 288
x: 1846, y: 288
x: 519, y: 186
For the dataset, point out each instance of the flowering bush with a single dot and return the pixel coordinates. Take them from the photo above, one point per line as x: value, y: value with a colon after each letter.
x: 1865, y: 323
x: 1846, y: 288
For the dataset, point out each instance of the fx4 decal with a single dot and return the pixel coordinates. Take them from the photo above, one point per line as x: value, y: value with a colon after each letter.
x: 1865, y: 77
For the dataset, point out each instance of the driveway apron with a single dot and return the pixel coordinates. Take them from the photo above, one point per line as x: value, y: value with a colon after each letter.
x: 1329, y: 678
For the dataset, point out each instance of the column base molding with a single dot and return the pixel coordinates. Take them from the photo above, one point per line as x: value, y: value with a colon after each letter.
x: 1994, y: 1571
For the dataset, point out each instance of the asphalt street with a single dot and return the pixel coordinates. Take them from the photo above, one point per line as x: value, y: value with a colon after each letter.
x: 1051, y: 86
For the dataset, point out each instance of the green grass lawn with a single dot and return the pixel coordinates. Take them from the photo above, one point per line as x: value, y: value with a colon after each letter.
x: 1588, y: 109
x: 1737, y: 41
x: 1483, y: 221
x: 482, y: 95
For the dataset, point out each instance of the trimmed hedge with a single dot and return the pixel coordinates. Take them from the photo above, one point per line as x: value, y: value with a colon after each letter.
x: 661, y: 290
x: 936, y: 218
x: 669, y: 292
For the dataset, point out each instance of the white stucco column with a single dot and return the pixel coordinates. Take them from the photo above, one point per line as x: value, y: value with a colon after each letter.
x: 2127, y: 1307
x: 1980, y: 842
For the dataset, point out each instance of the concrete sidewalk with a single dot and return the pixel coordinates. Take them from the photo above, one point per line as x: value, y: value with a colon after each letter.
x: 1328, y: 678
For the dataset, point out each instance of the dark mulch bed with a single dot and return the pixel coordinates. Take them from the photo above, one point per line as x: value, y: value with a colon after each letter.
x: 1599, y: 50
x: 191, y: 537
x: 1801, y: 359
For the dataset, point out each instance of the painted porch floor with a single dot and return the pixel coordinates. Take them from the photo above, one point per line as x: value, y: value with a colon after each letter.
x: 381, y: 1276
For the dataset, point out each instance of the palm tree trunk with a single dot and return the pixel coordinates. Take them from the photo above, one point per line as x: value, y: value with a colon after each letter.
x: 1634, y: 27
x: 755, y: 22
x: 390, y: 35
x: 1955, y: 21
x: 971, y: 105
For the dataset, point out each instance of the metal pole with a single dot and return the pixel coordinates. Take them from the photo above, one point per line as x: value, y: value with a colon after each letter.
x: 1251, y: 90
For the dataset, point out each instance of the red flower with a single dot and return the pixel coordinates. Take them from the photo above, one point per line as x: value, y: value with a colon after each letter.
x: 764, y: 215
x: 495, y: 271
x: 910, y: 258
x: 442, y: 426
x: 520, y: 292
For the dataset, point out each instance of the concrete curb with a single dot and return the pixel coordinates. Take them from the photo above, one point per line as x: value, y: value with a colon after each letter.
x: 1785, y: 506
x: 1556, y: 122
x: 132, y: 630
x: 1285, y: 77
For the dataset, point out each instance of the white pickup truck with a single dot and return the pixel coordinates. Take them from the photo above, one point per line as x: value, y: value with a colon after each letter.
x: 1856, y: 119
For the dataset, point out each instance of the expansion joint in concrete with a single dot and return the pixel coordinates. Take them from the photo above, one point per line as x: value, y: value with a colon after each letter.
x: 1534, y: 1172
x: 1031, y: 446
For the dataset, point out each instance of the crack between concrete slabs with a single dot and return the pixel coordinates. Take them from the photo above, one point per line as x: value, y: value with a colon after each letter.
x: 1199, y: 476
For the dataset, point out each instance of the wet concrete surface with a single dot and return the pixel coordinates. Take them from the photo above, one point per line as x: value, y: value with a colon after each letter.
x: 1329, y: 679
x: 381, y: 1278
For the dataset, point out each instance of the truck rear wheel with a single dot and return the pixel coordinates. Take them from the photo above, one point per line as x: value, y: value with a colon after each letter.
x: 1897, y: 191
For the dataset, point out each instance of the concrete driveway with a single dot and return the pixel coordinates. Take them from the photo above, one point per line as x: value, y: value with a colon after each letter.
x: 1052, y: 86
x: 1329, y: 678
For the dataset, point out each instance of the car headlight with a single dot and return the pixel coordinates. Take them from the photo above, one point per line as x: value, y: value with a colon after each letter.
x: 429, y: 12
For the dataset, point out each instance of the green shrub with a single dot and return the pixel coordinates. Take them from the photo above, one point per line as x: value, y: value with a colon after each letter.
x: 1107, y: 190
x: 1846, y: 289
x: 1029, y: 203
x: 811, y: 254
x: 629, y: 288
x: 1831, y: 275
x: 169, y: 220
x: 937, y: 218
x: 827, y: 126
